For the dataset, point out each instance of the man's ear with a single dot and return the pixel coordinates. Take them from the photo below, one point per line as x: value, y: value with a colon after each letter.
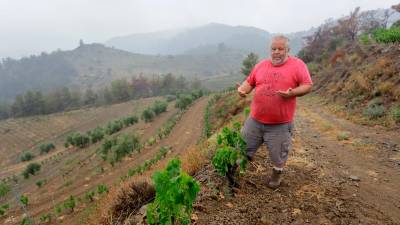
x: 288, y: 49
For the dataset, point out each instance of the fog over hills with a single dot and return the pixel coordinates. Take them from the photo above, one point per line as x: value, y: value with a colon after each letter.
x: 209, y: 50
x: 203, y: 39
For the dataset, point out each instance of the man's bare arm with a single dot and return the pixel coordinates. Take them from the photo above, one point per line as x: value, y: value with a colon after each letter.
x: 244, y: 88
x: 301, y: 90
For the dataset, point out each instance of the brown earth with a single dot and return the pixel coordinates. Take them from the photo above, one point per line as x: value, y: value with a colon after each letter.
x: 328, y: 180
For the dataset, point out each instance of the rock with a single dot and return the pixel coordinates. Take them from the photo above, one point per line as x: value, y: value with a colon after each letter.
x: 264, y: 220
x: 229, y: 205
x: 354, y: 178
x: 296, y: 212
x: 194, y: 217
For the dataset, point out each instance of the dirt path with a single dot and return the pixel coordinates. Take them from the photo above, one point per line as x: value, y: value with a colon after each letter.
x: 328, y: 180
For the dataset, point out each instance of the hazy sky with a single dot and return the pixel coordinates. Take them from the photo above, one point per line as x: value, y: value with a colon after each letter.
x: 32, y: 26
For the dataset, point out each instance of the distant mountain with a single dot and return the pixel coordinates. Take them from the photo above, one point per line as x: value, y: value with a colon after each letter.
x: 94, y: 65
x: 209, y: 50
x: 204, y: 39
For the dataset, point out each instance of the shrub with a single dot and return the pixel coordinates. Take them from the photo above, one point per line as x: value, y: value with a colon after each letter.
x: 24, y: 200
x: 31, y: 169
x: 386, y: 36
x: 26, y: 221
x: 126, y: 144
x: 89, y: 196
x: 364, y: 39
x: 159, y: 107
x: 343, y: 136
x: 396, y: 114
x: 130, y: 120
x: 46, y: 148
x: 102, y: 189
x: 232, y: 148
x: 45, y: 218
x: 114, y: 126
x: 78, y: 140
x: 375, y: 111
x: 247, y: 111
x: 27, y: 156
x: 175, y: 193
x: 40, y: 183
x: 148, y: 115
x: 183, y: 101
x: 3, y: 209
x: 57, y: 209
x: 70, y: 203
x: 96, y: 135
x: 4, y: 189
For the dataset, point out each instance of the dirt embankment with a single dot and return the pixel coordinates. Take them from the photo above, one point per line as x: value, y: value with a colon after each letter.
x: 338, y: 173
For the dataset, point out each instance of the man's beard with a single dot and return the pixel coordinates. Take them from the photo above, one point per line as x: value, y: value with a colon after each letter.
x: 278, y: 61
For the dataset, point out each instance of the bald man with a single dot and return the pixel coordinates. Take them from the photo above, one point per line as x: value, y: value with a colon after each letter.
x: 277, y: 82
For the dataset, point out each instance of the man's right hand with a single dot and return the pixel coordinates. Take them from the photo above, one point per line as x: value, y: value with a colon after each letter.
x: 240, y: 91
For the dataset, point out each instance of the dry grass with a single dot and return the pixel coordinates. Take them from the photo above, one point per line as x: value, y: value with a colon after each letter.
x: 361, y: 80
x: 122, y: 201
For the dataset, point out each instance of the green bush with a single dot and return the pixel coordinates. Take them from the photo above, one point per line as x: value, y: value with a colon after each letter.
x: 396, y: 114
x: 175, y: 193
x: 89, y: 196
x: 101, y: 188
x: 247, y: 111
x: 126, y: 144
x: 27, y: 156
x: 343, y: 136
x: 148, y: 115
x: 40, y: 183
x: 26, y: 221
x: 364, y: 39
x: 114, y: 126
x: 45, y: 218
x: 78, y: 140
x: 57, y: 210
x: 3, y: 209
x: 70, y: 203
x: 159, y: 107
x: 130, y: 120
x: 183, y: 101
x: 232, y: 148
x: 24, y: 200
x: 391, y: 35
x: 4, y: 189
x: 46, y: 148
x: 31, y: 169
x: 96, y: 135
x: 375, y: 111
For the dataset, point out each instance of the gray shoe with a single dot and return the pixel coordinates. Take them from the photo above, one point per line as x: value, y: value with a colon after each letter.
x: 275, y: 180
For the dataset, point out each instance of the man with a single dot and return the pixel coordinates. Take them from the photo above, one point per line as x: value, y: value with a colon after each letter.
x: 277, y: 82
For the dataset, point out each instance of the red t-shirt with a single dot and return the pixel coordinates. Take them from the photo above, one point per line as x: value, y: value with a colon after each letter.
x: 267, y: 106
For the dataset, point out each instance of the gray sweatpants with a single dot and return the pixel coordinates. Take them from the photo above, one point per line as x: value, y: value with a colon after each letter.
x: 277, y: 138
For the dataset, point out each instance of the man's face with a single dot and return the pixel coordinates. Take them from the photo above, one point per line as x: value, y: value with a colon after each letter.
x: 279, y: 51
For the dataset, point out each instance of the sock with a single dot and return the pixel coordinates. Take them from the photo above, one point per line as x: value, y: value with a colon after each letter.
x: 278, y: 169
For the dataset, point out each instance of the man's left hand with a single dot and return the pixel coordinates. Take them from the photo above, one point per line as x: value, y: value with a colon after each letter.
x: 286, y: 94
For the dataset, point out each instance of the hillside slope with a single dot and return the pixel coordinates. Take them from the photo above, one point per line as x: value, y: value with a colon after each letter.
x: 327, y: 181
x: 94, y: 65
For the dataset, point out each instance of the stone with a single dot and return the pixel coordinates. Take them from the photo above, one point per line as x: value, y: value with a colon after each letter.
x: 354, y: 178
